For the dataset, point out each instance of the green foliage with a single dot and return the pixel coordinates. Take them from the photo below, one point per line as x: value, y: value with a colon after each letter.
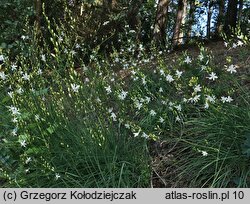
x: 220, y: 134
x: 246, y: 145
x: 14, y: 16
x: 73, y: 115
x: 56, y: 133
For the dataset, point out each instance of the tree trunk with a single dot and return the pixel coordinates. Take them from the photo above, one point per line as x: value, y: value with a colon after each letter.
x: 220, y: 18
x: 240, y: 10
x: 133, y: 17
x: 180, y: 20
x: 231, y: 17
x: 133, y: 14
x: 209, y: 15
x: 38, y: 13
x: 191, y: 18
x: 160, y: 22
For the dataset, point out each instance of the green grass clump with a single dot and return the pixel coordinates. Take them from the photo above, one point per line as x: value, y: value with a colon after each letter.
x: 217, y: 149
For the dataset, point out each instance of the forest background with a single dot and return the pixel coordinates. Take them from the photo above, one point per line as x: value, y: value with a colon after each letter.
x: 124, y: 93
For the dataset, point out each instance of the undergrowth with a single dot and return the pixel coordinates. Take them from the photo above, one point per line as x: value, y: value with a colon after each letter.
x: 67, y: 123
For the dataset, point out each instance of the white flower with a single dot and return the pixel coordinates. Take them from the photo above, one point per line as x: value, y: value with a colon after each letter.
x: 73, y: 52
x: 232, y: 68
x: 13, y: 67
x: 144, y: 81
x: 43, y: 58
x: 77, y: 46
x: 28, y: 160
x: 14, y: 132
x: 23, y: 37
x: 229, y: 99
x: 164, y: 102
x: 206, y: 106
x: 240, y: 43
x: 110, y: 110
x: 177, y: 119
x: 60, y: 39
x: 169, y: 78
x: 10, y: 93
x: 141, y: 47
x: 147, y: 99
x: 171, y: 104
x: 108, y: 89
x: 188, y: 60
x: 195, y: 99
x: 14, y: 120
x: 133, y: 72
x: 234, y: 45
x: 127, y: 126
x: 197, y: 88
x: 135, y: 78
x: 98, y: 100
x: 142, y: 100
x: 212, y: 76
x: 203, y: 67
x: 37, y: 117
x: 122, y: 95
x: 117, y: 59
x: 86, y: 80
x: 105, y: 23
x: 113, y: 116
x: 57, y: 176
x: 223, y: 99
x: 152, y: 113
x: 162, y: 72
x: 136, y: 134
x: 138, y: 105
x: 145, y: 135
x: 178, y: 107
x: 39, y: 72
x: 26, y: 77
x: 160, y: 90
x: 2, y: 58
x: 14, y: 110
x: 19, y: 91
x: 3, y: 76
x: 201, y: 56
x: 23, y: 143
x: 210, y: 98
x: 161, y: 120
x: 178, y: 73
x: 85, y: 68
x: 204, y: 153
x: 226, y: 99
x: 75, y: 87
